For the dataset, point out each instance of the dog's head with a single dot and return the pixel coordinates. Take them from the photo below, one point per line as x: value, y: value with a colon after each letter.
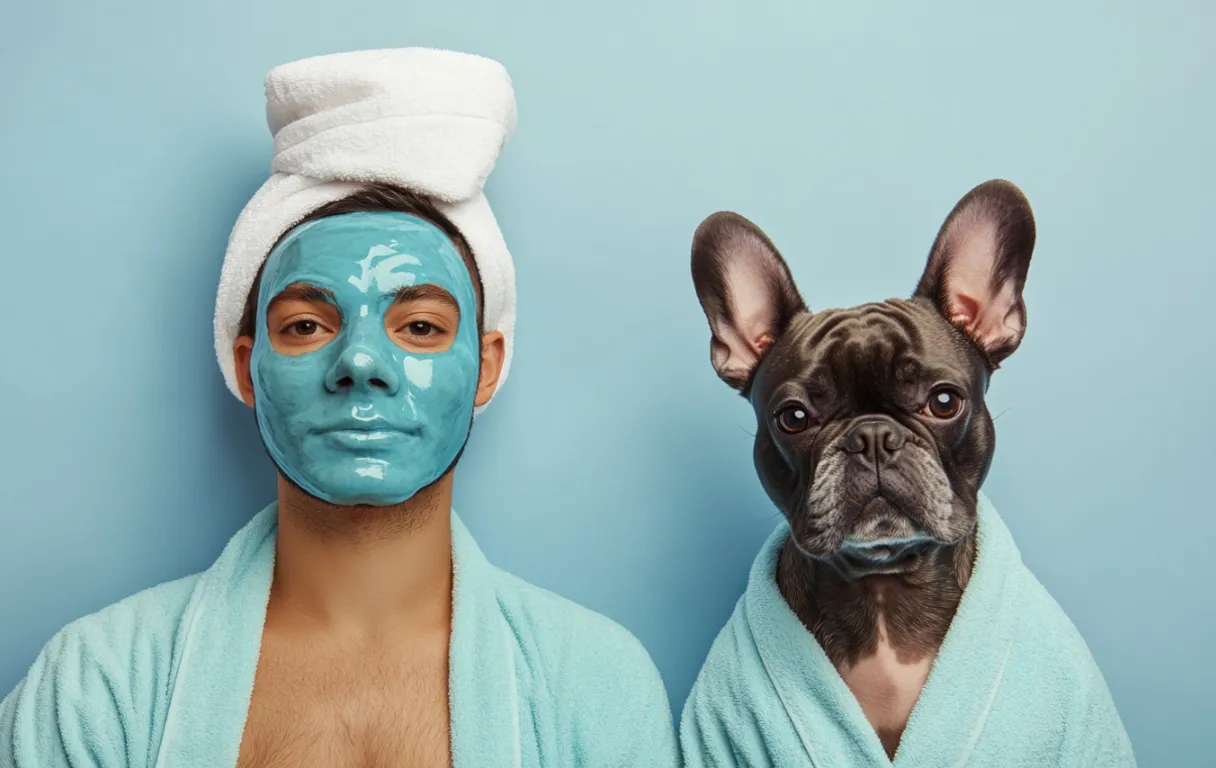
x: 872, y: 435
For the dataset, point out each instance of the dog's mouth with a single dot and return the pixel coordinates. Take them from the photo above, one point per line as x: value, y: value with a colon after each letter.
x: 881, y: 557
x: 884, y: 541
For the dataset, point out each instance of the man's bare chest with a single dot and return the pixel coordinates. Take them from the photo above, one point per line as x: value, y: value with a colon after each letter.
x: 334, y: 708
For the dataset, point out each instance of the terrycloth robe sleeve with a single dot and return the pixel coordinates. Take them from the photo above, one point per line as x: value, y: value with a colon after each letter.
x: 68, y: 711
x: 630, y: 726
x: 719, y: 727
x: 93, y: 695
x: 1097, y: 736
x: 709, y: 738
x: 590, y: 696
x: 640, y: 713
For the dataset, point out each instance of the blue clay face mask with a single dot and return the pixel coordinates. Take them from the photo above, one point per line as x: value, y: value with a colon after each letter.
x: 370, y: 416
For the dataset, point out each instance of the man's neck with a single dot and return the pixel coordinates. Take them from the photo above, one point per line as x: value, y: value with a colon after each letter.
x: 363, y: 572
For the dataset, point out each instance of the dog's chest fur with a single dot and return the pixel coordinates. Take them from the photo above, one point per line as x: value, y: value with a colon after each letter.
x: 882, y: 633
x: 887, y: 684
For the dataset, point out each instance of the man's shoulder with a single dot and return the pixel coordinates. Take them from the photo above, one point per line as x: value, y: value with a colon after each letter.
x: 132, y: 632
x: 95, y: 680
x: 555, y: 619
x: 152, y: 609
x: 593, y: 679
x: 571, y: 641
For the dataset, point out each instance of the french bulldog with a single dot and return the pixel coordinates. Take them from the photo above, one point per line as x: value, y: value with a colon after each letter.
x: 873, y: 437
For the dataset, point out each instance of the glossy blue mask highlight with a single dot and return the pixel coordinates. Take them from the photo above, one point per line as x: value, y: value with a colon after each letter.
x: 361, y: 420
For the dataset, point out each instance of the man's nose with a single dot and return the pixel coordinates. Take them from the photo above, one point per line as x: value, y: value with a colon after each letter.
x: 361, y: 368
x: 878, y: 441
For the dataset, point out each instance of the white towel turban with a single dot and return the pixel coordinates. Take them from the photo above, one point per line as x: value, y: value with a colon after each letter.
x: 427, y: 120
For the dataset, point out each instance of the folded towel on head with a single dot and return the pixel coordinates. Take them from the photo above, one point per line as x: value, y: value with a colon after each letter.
x: 1013, y: 684
x: 164, y: 678
x: 427, y: 120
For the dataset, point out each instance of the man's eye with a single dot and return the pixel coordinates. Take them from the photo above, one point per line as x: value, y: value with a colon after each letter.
x: 421, y: 328
x: 302, y: 328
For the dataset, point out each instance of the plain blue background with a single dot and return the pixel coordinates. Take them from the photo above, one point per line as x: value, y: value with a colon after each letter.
x: 615, y: 468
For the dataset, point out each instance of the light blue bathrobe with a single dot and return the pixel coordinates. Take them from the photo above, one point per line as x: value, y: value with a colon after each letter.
x: 163, y: 679
x: 1013, y: 685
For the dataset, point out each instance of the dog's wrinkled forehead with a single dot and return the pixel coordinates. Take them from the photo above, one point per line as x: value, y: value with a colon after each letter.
x: 868, y: 353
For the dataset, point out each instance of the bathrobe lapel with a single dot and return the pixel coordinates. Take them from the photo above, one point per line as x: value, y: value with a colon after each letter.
x: 949, y: 718
x: 217, y: 653
x: 485, y: 697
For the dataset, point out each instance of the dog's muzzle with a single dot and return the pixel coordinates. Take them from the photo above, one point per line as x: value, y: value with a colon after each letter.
x: 879, y: 499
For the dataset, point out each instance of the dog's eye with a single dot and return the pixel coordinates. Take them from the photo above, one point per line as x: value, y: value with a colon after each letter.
x: 944, y: 404
x: 793, y: 419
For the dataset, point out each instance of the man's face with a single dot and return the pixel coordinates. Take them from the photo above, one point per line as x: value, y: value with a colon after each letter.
x: 367, y: 370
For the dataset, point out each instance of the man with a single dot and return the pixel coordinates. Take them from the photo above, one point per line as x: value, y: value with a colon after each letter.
x: 366, y: 313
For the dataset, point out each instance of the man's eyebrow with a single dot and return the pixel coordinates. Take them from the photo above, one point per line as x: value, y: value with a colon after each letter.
x: 416, y: 292
x: 302, y: 292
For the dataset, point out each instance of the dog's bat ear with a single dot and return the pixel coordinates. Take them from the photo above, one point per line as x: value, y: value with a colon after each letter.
x: 978, y: 264
x: 746, y: 291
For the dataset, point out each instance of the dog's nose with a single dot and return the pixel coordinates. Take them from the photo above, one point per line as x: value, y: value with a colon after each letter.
x: 879, y: 440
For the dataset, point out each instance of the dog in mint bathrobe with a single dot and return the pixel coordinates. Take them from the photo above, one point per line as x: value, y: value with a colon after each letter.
x: 889, y: 619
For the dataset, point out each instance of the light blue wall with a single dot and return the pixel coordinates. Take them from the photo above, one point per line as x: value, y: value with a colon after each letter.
x: 615, y: 468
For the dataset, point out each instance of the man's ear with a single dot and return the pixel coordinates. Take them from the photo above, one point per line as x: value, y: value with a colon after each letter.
x: 746, y: 291
x: 978, y: 265
x: 493, y: 352
x: 242, y: 353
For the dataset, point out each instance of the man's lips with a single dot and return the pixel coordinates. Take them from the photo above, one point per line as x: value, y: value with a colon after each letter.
x: 367, y: 435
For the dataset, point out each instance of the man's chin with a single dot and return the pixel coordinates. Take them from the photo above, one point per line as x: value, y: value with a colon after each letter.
x: 354, y: 486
